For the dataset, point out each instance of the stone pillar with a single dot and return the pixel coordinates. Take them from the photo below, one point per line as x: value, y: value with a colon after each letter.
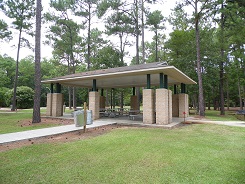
x: 57, y: 104
x: 175, y: 105
x: 102, y: 102
x: 149, y: 106
x: 49, y: 104
x: 94, y: 104
x: 134, y: 102
x: 170, y: 114
x: 162, y: 106
x: 183, y: 105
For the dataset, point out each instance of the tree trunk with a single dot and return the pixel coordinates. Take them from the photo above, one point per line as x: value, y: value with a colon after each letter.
x: 121, y: 104
x: 137, y: 45
x: 227, y: 94
x: 156, y: 48
x: 209, y: 103
x: 107, y: 98
x: 70, y: 101
x: 89, y: 35
x: 137, y: 31
x: 74, y: 98
x: 14, y: 104
x: 239, y: 93
x: 143, y: 31
x: 221, y: 67
x: 199, y: 73
x: 244, y: 96
x: 121, y: 49
x: 36, y: 108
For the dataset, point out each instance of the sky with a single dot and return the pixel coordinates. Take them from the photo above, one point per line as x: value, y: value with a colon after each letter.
x: 10, y: 48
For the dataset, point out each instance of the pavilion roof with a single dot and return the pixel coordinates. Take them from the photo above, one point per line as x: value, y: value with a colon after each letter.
x: 121, y: 77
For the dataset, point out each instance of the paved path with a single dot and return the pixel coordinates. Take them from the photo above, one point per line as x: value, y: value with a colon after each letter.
x: 30, y: 134
x: 228, y: 123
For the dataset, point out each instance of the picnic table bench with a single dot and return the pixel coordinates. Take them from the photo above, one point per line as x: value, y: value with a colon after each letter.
x: 241, y: 112
x: 134, y: 114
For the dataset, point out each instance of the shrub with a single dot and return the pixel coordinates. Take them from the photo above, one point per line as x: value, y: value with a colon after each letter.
x: 24, y: 96
x: 3, y: 92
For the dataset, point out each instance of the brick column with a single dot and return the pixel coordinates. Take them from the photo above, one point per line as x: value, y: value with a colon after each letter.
x: 175, y: 105
x: 49, y: 104
x: 57, y: 104
x: 162, y: 109
x: 134, y: 102
x: 183, y: 105
x: 170, y: 114
x: 94, y: 104
x: 148, y: 106
x: 102, y: 102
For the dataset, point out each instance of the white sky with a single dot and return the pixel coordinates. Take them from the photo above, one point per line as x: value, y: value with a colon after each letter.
x: 46, y: 51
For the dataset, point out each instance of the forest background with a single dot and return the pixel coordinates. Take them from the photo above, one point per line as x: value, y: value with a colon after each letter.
x: 206, y: 43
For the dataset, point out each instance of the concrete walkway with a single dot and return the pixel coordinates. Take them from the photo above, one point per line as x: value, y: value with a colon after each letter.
x: 30, y: 134
x: 228, y: 123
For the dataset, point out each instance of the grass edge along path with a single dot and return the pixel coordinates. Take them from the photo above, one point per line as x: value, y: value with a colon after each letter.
x: 191, y: 154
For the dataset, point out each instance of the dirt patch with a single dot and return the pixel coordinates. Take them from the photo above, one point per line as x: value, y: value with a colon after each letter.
x: 61, y: 138
x: 54, y: 121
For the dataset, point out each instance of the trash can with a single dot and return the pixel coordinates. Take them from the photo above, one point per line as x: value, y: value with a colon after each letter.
x: 79, y: 118
x: 89, y: 117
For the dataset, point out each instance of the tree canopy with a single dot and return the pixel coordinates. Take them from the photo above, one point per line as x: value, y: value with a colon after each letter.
x: 207, y: 43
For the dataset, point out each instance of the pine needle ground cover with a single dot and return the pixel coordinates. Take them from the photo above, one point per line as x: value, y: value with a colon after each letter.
x: 190, y: 154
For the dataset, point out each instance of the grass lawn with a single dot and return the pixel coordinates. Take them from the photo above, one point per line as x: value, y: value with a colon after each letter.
x: 215, y: 115
x: 191, y: 154
x: 10, y: 121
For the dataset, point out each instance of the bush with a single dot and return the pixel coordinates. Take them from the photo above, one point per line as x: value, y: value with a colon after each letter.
x: 3, y: 92
x: 24, y: 96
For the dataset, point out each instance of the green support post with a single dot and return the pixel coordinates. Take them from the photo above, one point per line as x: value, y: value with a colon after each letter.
x: 183, y: 90
x: 175, y: 89
x: 58, y: 88
x: 51, y: 88
x: 133, y: 91
x: 161, y: 80
x: 148, y: 81
x: 94, y: 84
x: 165, y: 81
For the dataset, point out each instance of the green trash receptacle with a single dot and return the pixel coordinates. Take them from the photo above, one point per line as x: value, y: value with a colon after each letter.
x: 79, y: 118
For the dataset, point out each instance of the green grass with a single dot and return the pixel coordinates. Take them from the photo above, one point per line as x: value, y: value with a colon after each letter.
x: 215, y: 115
x: 11, y: 121
x: 192, y: 154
